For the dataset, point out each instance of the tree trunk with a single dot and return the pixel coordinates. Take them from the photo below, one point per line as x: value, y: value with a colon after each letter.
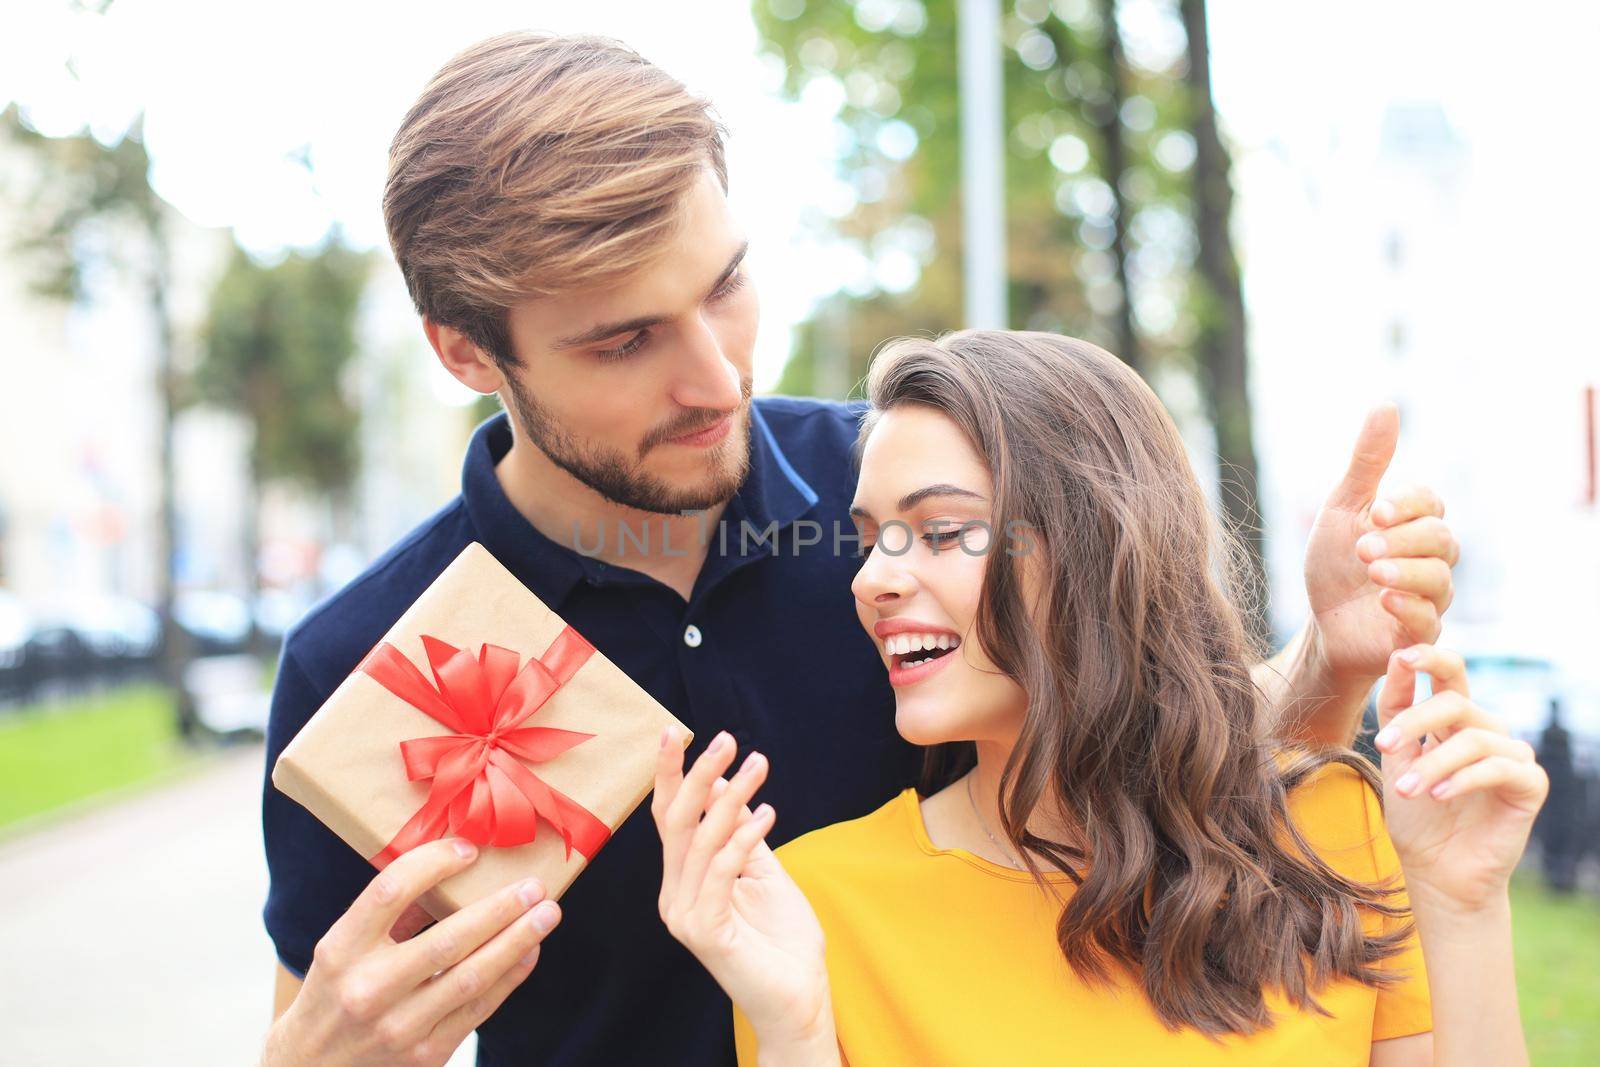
x: 1114, y: 165
x: 175, y: 650
x: 1220, y: 347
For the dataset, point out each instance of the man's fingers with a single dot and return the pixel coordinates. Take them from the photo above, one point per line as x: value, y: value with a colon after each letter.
x: 1404, y: 505
x: 1369, y: 459
x: 456, y: 1003
x: 447, y: 943
x: 396, y: 887
x: 1428, y: 578
x: 412, y: 920
x: 1418, y: 617
x: 1428, y: 536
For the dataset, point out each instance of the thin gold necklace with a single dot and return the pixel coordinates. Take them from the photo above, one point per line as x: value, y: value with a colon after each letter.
x: 984, y: 826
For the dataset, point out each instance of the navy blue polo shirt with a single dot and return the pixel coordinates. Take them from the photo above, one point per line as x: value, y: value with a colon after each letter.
x: 767, y: 647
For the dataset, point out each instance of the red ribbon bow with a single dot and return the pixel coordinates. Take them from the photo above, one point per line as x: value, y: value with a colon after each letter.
x: 481, y: 789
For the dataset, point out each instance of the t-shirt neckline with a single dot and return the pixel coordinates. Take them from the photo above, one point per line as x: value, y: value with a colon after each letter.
x: 912, y: 804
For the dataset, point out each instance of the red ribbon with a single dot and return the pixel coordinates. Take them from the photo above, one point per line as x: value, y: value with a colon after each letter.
x: 481, y: 788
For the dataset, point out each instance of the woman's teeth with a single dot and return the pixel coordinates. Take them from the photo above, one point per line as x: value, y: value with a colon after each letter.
x: 905, y: 644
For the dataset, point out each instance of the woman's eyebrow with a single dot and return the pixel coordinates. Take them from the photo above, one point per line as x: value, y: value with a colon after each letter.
x: 917, y: 496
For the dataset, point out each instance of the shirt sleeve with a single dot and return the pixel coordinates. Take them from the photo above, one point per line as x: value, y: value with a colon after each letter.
x: 313, y: 876
x: 1404, y: 1008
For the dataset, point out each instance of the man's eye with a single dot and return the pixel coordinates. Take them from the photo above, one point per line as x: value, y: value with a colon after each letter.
x: 626, y: 349
x: 729, y: 287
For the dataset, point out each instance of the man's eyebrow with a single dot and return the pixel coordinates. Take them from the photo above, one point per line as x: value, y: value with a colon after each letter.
x: 917, y: 496
x: 640, y: 322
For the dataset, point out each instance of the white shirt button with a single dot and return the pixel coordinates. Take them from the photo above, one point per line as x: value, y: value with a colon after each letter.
x: 691, y: 637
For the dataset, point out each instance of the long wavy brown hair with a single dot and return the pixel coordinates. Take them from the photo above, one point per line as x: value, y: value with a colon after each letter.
x: 1143, y: 725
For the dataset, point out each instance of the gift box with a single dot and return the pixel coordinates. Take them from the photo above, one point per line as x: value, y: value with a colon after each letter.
x: 481, y: 714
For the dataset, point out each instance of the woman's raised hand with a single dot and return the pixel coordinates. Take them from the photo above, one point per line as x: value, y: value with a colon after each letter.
x: 726, y: 897
x: 1460, y: 807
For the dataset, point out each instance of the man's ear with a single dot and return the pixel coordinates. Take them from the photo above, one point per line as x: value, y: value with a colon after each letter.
x: 466, y: 362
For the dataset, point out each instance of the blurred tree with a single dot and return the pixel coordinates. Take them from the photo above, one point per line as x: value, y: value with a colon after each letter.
x: 1219, y: 300
x: 79, y: 204
x: 276, y: 345
x: 1101, y: 182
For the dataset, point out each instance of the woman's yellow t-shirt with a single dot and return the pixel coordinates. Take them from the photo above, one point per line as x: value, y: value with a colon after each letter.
x: 940, y: 957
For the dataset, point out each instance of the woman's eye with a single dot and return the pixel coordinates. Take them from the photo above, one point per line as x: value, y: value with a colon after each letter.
x: 863, y: 550
x: 627, y: 348
x: 942, y: 539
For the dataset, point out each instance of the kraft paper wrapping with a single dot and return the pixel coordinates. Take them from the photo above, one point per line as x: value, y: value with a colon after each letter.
x: 345, y: 765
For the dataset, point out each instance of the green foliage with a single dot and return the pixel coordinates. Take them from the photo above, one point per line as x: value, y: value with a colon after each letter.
x: 897, y: 65
x: 276, y: 344
x: 76, y: 190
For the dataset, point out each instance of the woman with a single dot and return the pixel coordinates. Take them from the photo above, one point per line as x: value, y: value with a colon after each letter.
x: 1110, y: 860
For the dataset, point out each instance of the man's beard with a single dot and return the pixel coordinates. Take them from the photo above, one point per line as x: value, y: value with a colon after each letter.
x: 609, y: 472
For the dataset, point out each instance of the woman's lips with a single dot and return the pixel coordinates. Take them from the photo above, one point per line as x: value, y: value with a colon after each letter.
x: 903, y: 676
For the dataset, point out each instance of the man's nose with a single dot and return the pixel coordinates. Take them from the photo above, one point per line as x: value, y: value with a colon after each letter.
x: 708, y: 379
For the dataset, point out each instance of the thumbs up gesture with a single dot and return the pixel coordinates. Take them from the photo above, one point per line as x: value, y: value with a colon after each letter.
x: 1377, y: 566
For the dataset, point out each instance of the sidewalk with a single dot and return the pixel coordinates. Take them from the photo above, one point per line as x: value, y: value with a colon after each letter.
x: 132, y: 935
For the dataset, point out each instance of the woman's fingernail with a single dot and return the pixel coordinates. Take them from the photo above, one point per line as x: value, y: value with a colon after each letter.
x: 1386, y: 737
x: 1386, y: 572
x: 1383, y: 511
x: 666, y: 735
x: 1407, y: 782
x: 1410, y: 655
x: 465, y: 849
x: 718, y: 743
x: 1440, y: 790
x: 1373, y: 545
x: 530, y: 892
x: 750, y: 763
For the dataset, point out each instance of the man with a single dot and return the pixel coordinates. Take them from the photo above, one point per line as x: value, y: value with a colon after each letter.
x: 557, y: 208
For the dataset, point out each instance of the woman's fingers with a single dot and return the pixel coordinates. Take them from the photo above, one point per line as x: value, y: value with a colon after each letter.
x: 1466, y: 747
x: 716, y: 893
x: 669, y: 770
x: 678, y: 815
x: 1519, y: 781
x: 722, y: 818
x: 1448, y: 671
x: 1439, y: 717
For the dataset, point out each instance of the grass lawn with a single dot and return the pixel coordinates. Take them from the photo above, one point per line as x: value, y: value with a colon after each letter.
x: 1558, y: 973
x: 57, y: 754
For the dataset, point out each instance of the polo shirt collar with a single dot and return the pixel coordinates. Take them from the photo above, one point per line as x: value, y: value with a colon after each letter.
x: 773, y: 491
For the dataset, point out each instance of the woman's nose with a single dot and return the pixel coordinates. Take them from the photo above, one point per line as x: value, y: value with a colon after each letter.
x: 881, y: 579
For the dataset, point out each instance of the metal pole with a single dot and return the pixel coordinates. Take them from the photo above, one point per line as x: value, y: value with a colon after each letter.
x: 983, y: 206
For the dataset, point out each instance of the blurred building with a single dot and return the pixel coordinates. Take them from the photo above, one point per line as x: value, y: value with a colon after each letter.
x: 79, y: 421
x: 1370, y: 274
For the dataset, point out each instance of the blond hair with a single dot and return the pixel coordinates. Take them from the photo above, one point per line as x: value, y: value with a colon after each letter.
x: 534, y: 164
